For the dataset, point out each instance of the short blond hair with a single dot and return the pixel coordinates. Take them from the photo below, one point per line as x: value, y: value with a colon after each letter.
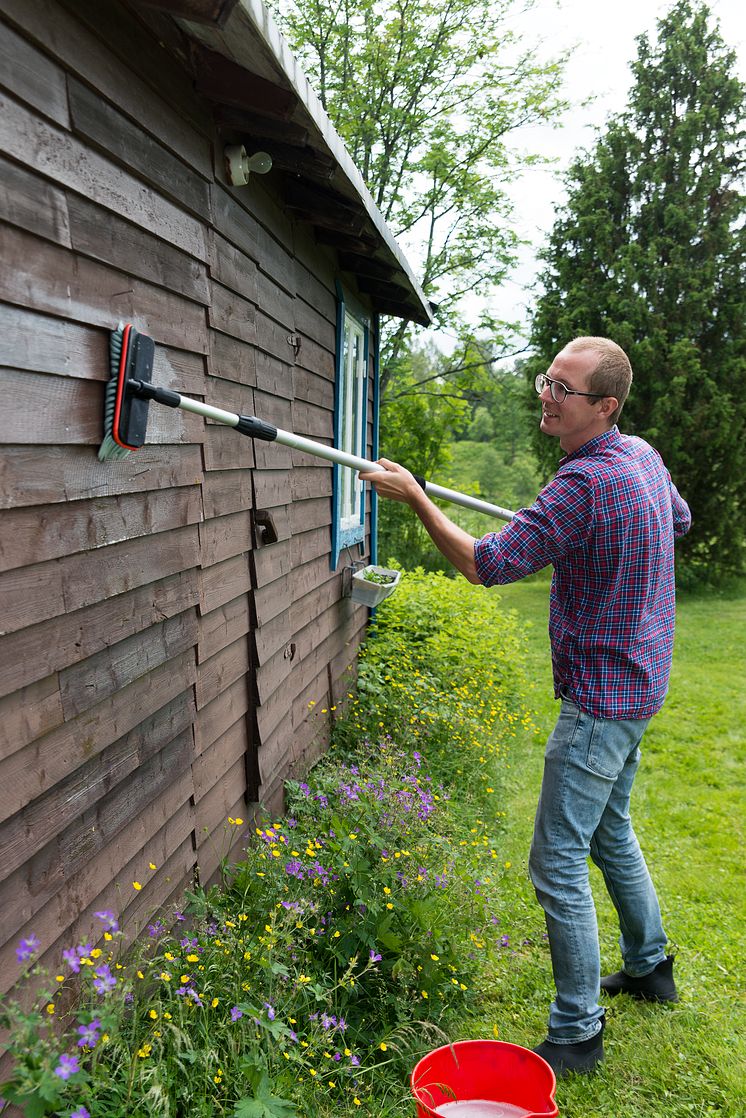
x: 612, y: 375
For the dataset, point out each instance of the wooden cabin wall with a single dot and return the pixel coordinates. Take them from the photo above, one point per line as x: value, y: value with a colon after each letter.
x: 157, y: 659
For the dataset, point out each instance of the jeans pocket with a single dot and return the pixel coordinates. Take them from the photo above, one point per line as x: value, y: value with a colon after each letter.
x: 609, y: 747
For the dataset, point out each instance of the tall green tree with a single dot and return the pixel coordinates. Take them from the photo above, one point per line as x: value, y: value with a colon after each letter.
x: 650, y: 251
x: 427, y: 94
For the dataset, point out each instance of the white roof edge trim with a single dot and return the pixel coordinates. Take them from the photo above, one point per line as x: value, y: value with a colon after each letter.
x: 272, y: 37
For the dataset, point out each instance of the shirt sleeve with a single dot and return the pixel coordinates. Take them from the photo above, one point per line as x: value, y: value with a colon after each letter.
x: 558, y: 522
x: 682, y: 517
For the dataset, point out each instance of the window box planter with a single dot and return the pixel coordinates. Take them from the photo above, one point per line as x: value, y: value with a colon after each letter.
x: 371, y: 584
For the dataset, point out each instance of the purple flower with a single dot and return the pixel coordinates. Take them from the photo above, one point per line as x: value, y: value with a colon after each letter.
x: 156, y: 929
x: 270, y: 1011
x: 374, y: 957
x: 81, y: 1112
x: 67, y: 1066
x: 108, y: 919
x: 179, y: 916
x: 355, y: 1061
x: 303, y: 787
x: 89, y: 1034
x: 26, y: 948
x: 295, y: 869
x: 236, y: 1013
x: 104, y: 980
x: 72, y: 958
x: 189, y: 941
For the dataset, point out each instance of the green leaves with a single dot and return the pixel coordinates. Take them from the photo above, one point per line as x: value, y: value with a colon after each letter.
x: 650, y: 251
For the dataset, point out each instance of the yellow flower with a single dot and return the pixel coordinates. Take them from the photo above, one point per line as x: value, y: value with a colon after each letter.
x: 138, y: 886
x: 165, y: 976
x: 386, y: 890
x: 50, y: 1009
x: 214, y: 1002
x: 383, y: 1047
x: 389, y: 905
x: 152, y: 866
x: 59, y: 978
x: 356, y: 1100
x: 192, y: 958
x: 140, y: 974
x: 167, y: 1016
x: 108, y: 936
x: 153, y: 1014
x: 184, y: 978
x: 424, y: 993
x: 435, y: 958
x: 96, y: 953
x: 145, y: 1051
x: 312, y: 1071
x: 169, y: 956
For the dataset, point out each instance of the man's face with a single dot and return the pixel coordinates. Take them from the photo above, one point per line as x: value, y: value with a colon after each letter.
x: 578, y: 418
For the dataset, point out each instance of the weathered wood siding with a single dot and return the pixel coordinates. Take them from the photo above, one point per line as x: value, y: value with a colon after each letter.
x: 157, y: 659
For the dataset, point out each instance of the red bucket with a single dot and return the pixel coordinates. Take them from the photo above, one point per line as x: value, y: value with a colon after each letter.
x: 484, y: 1079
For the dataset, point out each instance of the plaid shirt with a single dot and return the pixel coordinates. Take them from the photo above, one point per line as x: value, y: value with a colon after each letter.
x: 607, y: 524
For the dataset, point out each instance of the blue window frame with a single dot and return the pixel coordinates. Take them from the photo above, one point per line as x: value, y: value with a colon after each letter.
x: 350, y: 427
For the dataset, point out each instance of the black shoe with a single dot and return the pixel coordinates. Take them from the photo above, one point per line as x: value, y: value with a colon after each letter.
x: 658, y: 986
x: 581, y: 1057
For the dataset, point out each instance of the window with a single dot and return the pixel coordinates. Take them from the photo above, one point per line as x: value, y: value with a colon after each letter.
x: 348, y: 524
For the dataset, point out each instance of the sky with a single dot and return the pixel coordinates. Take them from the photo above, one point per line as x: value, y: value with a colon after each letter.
x: 603, y: 34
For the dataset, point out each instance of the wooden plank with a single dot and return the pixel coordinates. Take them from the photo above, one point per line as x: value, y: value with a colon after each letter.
x: 313, y: 421
x: 37, y: 768
x: 40, y: 409
x: 268, y: 603
x: 224, y: 536
x: 312, y: 574
x: 220, y: 713
x: 314, y: 388
x: 222, y: 669
x: 310, y: 545
x: 270, y: 714
x: 231, y: 314
x: 37, y: 823
x: 314, y: 480
x: 210, y: 768
x: 315, y: 271
x: 63, y: 36
x: 23, y: 893
x: 232, y: 267
x: 224, y: 846
x: 107, y: 129
x: 97, y: 232
x: 226, y: 491
x: 272, y: 675
x: 272, y: 636
x: 231, y: 359
x: 30, y: 713
x: 225, y: 449
x: 223, y: 626
x: 32, y: 653
x: 33, y: 203
x: 68, y: 473
x: 275, y: 377
x: 223, y: 582
x: 224, y: 799
x: 68, y: 162
x: 32, y: 77
x: 276, y: 303
x: 242, y: 229
x: 316, y: 359
x: 52, y: 345
x: 272, y: 337
x: 37, y: 534
x: 107, y: 879
x: 316, y: 327
x: 311, y: 513
x: 49, y: 279
x: 321, y: 597
x: 115, y: 667
x: 32, y: 594
x: 272, y: 562
x: 276, y: 754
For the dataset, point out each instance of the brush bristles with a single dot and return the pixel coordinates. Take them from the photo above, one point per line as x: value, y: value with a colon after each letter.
x: 110, y: 450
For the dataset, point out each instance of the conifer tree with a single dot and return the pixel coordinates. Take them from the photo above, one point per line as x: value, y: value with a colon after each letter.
x: 649, y: 250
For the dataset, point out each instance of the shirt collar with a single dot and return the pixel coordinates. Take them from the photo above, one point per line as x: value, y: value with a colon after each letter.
x: 594, y: 446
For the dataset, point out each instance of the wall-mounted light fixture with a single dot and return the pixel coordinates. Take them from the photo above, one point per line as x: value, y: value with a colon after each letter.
x: 239, y: 164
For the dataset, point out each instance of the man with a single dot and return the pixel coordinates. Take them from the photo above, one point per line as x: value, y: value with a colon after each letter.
x: 607, y: 524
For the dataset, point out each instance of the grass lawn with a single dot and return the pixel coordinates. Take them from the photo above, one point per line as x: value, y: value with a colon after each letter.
x: 688, y: 808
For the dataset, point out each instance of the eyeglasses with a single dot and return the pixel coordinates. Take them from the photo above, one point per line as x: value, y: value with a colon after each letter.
x: 559, y: 391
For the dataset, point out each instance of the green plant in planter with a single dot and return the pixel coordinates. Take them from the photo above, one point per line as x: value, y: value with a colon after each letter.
x: 379, y: 578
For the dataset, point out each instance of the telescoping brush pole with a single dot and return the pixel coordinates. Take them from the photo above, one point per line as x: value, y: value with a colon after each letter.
x: 129, y: 393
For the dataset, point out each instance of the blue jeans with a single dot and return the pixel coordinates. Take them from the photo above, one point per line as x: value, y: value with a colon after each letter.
x: 589, y: 767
